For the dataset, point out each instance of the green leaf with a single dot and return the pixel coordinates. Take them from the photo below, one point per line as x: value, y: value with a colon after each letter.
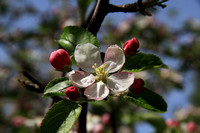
x: 55, y: 87
x: 74, y: 35
x: 61, y: 117
x: 140, y: 61
x: 83, y: 6
x: 149, y: 100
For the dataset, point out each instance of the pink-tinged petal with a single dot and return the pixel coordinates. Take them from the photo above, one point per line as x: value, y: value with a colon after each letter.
x: 120, y: 81
x: 114, y: 58
x: 81, y: 79
x: 86, y: 55
x: 97, y: 91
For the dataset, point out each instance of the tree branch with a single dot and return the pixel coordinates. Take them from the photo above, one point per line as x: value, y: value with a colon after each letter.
x: 103, y: 8
x: 137, y: 6
x: 86, y: 22
x: 36, y: 86
x: 100, y: 12
x: 32, y: 79
x: 82, y: 120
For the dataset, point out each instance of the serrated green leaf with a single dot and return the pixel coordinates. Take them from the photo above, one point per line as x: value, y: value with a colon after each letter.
x: 149, y: 100
x: 83, y: 6
x: 55, y: 87
x: 141, y: 61
x: 61, y: 117
x: 74, y: 35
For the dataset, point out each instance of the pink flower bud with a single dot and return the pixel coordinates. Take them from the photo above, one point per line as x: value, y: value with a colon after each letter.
x: 72, y: 92
x: 131, y: 46
x: 137, y: 86
x: 98, y: 128
x: 59, y: 59
x: 106, y: 118
x: 18, y: 121
x: 191, y: 126
x: 172, y: 123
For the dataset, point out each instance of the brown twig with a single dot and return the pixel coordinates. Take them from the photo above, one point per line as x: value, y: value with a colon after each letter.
x: 103, y: 8
x: 82, y: 120
x: 100, y: 12
x: 86, y: 22
x: 35, y: 86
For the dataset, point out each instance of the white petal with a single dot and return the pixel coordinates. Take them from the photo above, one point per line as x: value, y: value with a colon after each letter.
x: 81, y: 79
x: 120, y: 81
x: 86, y: 55
x: 114, y: 58
x: 97, y: 91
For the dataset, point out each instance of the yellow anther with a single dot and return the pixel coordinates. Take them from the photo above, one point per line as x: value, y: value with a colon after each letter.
x: 101, y: 73
x: 94, y: 66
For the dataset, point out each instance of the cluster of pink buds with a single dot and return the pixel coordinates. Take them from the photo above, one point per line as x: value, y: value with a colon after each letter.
x: 138, y: 86
x: 60, y: 59
x: 131, y: 46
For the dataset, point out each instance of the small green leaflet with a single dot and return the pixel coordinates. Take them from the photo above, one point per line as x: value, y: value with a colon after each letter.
x: 147, y: 99
x: 74, y: 35
x: 55, y: 87
x: 61, y: 117
x: 140, y: 61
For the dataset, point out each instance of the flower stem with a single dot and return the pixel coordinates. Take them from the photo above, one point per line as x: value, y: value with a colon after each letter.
x: 82, y: 120
x: 113, y: 122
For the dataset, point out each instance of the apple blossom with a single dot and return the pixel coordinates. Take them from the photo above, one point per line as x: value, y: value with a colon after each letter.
x: 131, y: 46
x: 95, y: 76
x: 60, y: 59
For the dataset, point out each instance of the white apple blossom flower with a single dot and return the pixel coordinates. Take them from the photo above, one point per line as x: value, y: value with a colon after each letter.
x: 95, y: 76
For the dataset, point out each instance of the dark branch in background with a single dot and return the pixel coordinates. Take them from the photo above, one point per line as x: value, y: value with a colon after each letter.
x: 103, y: 8
x: 137, y: 6
x: 86, y: 22
x: 32, y: 79
x: 82, y: 120
x: 35, y: 86
x: 99, y: 14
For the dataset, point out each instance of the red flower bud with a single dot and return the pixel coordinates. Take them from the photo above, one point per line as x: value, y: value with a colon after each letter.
x: 106, y: 118
x: 172, y: 123
x: 98, y: 128
x: 131, y: 46
x: 191, y: 126
x: 59, y: 59
x: 137, y: 86
x: 72, y: 92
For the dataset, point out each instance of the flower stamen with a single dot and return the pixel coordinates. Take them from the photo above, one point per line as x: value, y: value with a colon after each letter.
x: 101, y: 74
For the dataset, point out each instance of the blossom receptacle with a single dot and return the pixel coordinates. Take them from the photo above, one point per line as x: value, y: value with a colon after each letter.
x: 72, y: 92
x: 131, y: 46
x: 138, y: 86
x: 60, y: 59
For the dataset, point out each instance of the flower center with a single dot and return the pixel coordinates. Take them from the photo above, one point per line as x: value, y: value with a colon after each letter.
x: 101, y: 74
